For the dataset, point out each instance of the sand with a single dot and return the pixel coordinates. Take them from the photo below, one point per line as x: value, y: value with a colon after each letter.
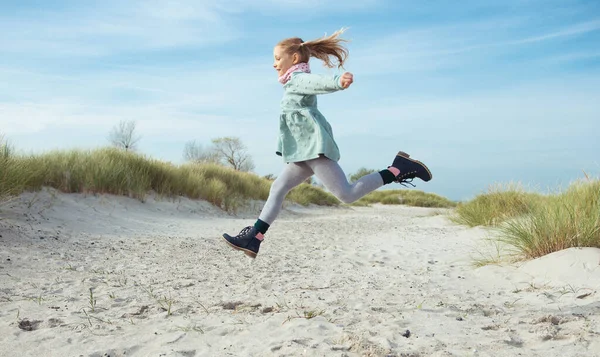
x: 84, y: 275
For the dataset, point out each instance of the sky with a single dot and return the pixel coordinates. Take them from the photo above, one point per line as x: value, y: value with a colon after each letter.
x: 483, y: 92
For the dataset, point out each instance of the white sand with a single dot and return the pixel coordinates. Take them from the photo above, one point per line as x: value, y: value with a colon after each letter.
x: 368, y: 274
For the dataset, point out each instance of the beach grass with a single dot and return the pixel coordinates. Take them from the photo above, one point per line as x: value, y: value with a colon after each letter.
x: 564, y: 220
x: 113, y: 171
x: 533, y: 224
x: 414, y: 198
x: 499, y: 203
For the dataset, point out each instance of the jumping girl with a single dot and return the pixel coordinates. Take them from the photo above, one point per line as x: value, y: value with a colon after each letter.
x: 306, y: 140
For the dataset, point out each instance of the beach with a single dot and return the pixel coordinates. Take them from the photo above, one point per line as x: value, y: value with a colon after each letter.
x: 101, y: 275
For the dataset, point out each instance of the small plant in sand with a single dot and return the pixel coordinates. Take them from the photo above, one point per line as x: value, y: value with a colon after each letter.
x: 190, y: 328
x: 89, y: 318
x: 69, y: 267
x: 493, y: 254
x: 92, y: 300
x: 163, y: 302
x: 166, y: 303
x: 511, y: 304
x: 38, y: 299
x: 306, y: 314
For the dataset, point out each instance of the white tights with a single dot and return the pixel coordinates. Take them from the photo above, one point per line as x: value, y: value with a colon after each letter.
x: 328, y: 172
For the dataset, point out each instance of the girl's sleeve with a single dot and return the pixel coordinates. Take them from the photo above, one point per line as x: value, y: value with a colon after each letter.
x: 309, y: 83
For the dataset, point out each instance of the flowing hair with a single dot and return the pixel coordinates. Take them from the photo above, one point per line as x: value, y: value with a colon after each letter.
x: 322, y: 48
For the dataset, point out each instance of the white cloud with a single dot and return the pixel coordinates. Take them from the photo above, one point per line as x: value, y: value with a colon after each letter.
x: 117, y: 27
x: 85, y: 29
x: 457, y: 45
x: 572, y: 30
x: 545, y: 110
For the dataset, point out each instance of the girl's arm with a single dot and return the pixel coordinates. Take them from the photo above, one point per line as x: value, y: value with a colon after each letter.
x: 309, y: 83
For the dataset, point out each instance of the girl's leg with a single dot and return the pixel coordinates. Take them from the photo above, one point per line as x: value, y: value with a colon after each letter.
x: 293, y: 175
x: 331, y: 174
x: 250, y: 238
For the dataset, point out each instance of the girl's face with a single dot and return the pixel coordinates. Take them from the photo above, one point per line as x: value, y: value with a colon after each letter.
x: 283, y: 60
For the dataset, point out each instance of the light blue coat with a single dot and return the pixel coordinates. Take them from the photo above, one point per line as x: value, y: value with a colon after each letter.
x: 304, y: 133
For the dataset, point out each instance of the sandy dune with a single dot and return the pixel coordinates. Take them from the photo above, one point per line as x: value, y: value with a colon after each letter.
x: 380, y: 281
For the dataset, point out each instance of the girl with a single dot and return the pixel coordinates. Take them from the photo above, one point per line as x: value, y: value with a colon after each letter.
x: 306, y: 141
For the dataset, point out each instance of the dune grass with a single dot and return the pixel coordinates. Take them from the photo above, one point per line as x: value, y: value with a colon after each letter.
x: 534, y: 224
x: 405, y: 197
x: 114, y: 171
x: 498, y: 204
x: 565, y: 220
x: 117, y: 172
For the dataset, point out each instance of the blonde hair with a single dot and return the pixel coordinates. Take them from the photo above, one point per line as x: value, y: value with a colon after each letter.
x: 322, y: 48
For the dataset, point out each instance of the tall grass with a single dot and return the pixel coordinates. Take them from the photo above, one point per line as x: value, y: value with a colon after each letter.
x: 405, y: 197
x: 114, y: 171
x: 570, y: 219
x: 536, y: 225
x: 306, y: 194
x: 499, y: 203
x: 13, y: 174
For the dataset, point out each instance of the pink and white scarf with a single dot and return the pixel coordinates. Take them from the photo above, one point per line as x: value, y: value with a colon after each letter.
x: 300, y: 67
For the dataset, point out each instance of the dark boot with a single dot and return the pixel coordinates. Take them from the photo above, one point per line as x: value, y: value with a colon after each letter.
x: 409, y: 168
x: 245, y: 241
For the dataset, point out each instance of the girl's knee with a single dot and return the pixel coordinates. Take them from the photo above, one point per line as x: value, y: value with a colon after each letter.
x: 345, y: 197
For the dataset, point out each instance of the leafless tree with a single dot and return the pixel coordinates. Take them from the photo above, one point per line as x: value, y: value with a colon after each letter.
x: 124, y: 135
x: 232, y: 151
x: 194, y: 152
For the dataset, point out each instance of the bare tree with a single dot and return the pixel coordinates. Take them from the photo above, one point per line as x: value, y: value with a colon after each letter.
x: 124, y: 136
x: 232, y: 151
x: 195, y: 153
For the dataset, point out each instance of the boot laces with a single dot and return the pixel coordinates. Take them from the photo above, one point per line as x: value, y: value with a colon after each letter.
x: 408, y: 181
x: 244, y: 231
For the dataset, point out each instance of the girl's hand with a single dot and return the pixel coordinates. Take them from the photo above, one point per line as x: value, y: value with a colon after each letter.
x: 346, y: 80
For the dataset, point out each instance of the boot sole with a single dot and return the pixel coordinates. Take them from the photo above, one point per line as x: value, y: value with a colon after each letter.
x: 249, y: 253
x: 407, y: 156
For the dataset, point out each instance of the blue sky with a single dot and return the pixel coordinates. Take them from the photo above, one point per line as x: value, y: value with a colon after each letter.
x: 484, y: 92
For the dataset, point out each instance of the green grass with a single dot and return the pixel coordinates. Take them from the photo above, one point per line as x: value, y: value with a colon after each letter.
x: 129, y: 174
x: 405, y: 197
x: 306, y: 194
x: 15, y: 175
x: 498, y: 204
x: 569, y: 219
x: 117, y: 172
x: 535, y: 225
